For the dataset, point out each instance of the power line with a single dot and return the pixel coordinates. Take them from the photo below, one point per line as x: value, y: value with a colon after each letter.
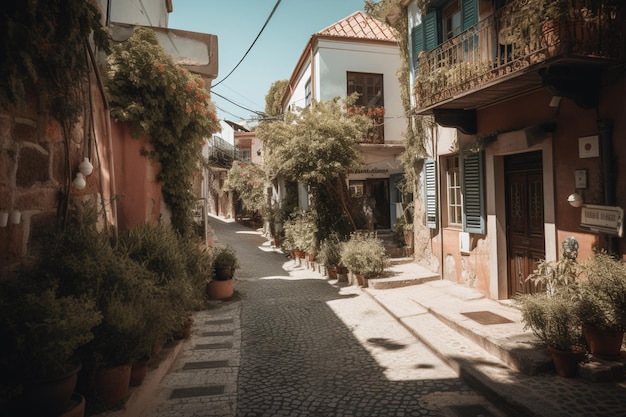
x: 227, y: 112
x: 236, y: 104
x: 255, y: 39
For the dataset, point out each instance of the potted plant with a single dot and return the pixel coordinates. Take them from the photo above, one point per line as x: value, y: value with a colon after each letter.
x: 553, y: 319
x: 225, y: 263
x: 552, y: 314
x: 330, y: 254
x: 602, y: 304
x: 301, y: 229
x: 365, y: 256
x: 41, y: 333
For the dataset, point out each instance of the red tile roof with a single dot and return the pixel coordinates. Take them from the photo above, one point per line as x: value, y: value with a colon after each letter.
x: 360, y: 26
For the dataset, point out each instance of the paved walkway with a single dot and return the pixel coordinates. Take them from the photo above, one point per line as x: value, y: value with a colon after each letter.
x: 371, y: 352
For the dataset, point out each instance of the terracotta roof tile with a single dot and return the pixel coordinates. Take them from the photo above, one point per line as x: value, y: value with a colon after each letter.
x: 359, y: 25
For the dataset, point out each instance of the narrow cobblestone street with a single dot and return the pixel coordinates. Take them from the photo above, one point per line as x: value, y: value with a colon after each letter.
x: 313, y: 348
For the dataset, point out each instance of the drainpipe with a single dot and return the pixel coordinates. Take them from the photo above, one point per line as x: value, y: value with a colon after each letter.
x: 605, y: 130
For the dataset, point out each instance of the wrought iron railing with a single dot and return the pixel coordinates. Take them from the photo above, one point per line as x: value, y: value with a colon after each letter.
x: 222, y: 151
x: 511, y: 40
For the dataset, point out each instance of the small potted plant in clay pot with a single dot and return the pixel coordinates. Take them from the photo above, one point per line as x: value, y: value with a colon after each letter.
x: 41, y: 332
x: 602, y: 304
x: 225, y: 263
x: 553, y: 319
x: 365, y: 256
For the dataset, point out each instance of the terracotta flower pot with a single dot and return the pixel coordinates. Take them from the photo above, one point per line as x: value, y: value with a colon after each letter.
x: 76, y: 407
x: 219, y: 290
x: 49, y: 396
x: 187, y: 327
x: 111, y: 386
x: 603, y: 343
x: 566, y: 362
x: 138, y: 372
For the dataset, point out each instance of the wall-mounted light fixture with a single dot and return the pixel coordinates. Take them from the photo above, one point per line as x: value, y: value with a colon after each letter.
x: 575, y: 200
x: 15, y: 217
x: 85, y: 167
x: 79, y: 182
x: 4, y: 218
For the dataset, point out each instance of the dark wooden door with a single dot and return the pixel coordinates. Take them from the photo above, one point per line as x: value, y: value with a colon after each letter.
x: 378, y: 191
x: 525, y: 224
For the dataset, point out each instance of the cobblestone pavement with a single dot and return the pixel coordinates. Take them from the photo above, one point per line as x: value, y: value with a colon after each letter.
x: 312, y: 348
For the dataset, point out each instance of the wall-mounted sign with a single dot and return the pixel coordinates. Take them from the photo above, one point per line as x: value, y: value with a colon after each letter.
x: 588, y: 147
x: 604, y: 219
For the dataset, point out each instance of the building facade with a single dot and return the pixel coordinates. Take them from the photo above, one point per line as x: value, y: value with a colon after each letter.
x: 528, y: 101
x: 359, y: 54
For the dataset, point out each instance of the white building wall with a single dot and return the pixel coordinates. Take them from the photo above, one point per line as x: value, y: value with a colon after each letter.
x: 137, y: 12
x: 335, y: 58
x: 298, y: 97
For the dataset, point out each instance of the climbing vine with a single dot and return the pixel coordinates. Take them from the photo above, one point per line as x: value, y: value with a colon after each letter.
x: 171, y: 107
x: 42, y: 43
x: 415, y: 133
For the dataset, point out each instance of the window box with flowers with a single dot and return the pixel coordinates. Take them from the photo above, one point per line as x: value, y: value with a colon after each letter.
x: 376, y: 133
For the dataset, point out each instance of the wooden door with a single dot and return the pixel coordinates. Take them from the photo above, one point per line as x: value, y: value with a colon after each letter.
x: 525, y: 224
x: 378, y: 192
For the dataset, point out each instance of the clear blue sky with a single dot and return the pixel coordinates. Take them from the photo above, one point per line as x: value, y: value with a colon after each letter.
x: 276, y: 52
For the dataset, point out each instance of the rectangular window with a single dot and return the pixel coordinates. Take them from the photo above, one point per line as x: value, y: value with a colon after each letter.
x: 430, y: 192
x: 441, y: 24
x: 453, y: 188
x: 368, y: 86
x: 357, y: 188
x: 451, y: 17
x: 307, y: 93
x: 473, y: 201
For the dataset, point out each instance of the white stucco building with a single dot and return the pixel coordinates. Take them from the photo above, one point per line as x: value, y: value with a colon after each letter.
x: 359, y: 54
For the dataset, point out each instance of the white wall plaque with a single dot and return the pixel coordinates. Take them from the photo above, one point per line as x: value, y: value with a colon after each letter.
x: 604, y: 219
x: 588, y: 147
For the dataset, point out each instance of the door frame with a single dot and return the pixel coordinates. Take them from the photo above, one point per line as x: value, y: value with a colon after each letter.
x: 511, y: 143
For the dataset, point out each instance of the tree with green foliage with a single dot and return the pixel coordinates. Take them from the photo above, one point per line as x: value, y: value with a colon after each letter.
x: 274, y: 97
x: 171, y: 107
x: 317, y: 147
x: 248, y: 180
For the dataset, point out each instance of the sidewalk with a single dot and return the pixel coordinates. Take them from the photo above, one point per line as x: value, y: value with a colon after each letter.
x: 484, y: 341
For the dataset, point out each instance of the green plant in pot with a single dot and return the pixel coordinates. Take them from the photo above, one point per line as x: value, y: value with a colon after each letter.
x: 330, y: 251
x: 602, y: 304
x: 224, y: 262
x: 365, y: 255
x: 552, y: 313
x: 553, y: 319
x: 41, y: 333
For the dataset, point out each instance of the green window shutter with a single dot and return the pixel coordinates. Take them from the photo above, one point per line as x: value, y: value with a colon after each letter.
x: 470, y: 13
x: 430, y: 185
x: 472, y: 188
x: 417, y: 42
x: 431, y: 40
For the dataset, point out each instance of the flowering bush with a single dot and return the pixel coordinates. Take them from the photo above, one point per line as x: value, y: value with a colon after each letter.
x: 169, y: 105
x: 248, y: 180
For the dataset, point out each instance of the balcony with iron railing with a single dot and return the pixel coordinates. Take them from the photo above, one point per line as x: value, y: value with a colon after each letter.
x: 479, y: 66
x: 222, y: 153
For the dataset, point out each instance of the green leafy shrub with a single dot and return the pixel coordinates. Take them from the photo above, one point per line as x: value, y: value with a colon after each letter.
x: 364, y: 254
x: 330, y: 251
x: 301, y: 231
x: 552, y: 319
x: 40, y: 330
x: 602, y: 302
